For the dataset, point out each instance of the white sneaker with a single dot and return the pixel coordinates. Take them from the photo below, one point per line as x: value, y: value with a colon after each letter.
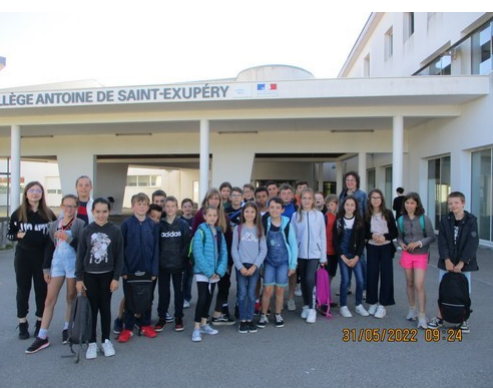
x: 312, y: 316
x: 304, y: 312
x: 412, y: 315
x: 345, y: 312
x: 196, y: 336
x: 108, y: 349
x: 422, y: 323
x: 207, y: 329
x: 360, y: 310
x: 186, y: 304
x: 92, y: 351
x: 291, y: 305
x: 372, y: 309
x: 297, y: 291
x: 381, y: 312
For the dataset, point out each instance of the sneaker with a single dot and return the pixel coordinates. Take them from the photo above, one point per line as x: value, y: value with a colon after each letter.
x: 125, y: 336
x: 223, y: 320
x: 39, y: 344
x: 279, y: 321
x: 108, y: 349
x: 311, y: 316
x: 186, y: 304
x: 148, y: 331
x: 422, y: 323
x: 262, y: 321
x: 37, y: 327
x: 464, y: 327
x: 291, y: 305
x: 304, y: 312
x: 207, y: 329
x: 117, y: 326
x: 256, y: 311
x: 412, y: 315
x: 297, y: 291
x: 243, y: 327
x: 251, y: 327
x: 24, y: 330
x: 196, y: 336
x: 169, y: 318
x: 360, y: 310
x: 381, y: 312
x: 345, y: 312
x: 372, y: 309
x: 436, y: 322
x: 179, y: 324
x: 64, y: 336
x: 92, y: 351
x: 160, y: 325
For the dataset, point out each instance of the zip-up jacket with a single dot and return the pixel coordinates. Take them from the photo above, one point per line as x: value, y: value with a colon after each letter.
x: 467, y: 244
x: 100, y: 250
x: 414, y: 233
x: 140, y: 245
x: 36, y: 229
x: 310, y: 235
x: 357, y: 240
x: 208, y: 259
x: 289, y: 239
x: 174, y: 244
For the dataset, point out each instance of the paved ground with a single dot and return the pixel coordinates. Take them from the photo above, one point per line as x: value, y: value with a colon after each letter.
x: 298, y: 355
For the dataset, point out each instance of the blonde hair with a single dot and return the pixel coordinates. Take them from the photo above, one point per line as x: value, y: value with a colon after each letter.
x: 222, y: 222
x: 300, y: 210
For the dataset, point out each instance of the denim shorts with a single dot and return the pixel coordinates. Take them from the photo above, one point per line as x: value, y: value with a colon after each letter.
x: 276, y: 275
x: 63, y: 267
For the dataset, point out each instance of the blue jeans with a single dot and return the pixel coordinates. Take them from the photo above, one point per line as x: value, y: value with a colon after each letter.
x: 364, y: 263
x: 246, y: 294
x: 358, y: 274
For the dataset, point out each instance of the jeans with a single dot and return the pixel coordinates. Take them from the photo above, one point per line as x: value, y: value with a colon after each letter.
x: 345, y: 271
x: 364, y: 264
x: 246, y: 294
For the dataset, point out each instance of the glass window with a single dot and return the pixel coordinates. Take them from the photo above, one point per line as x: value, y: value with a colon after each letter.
x: 438, y: 188
x: 388, y: 187
x: 389, y: 43
x: 482, y: 191
x: 481, y: 51
x: 131, y: 180
x: 370, y: 180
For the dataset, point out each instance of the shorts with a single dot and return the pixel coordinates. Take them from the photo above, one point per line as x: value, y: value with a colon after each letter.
x: 63, y: 267
x: 414, y: 261
x: 276, y: 275
x: 466, y: 273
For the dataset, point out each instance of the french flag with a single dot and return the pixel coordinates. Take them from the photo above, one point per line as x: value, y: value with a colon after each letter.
x: 266, y: 87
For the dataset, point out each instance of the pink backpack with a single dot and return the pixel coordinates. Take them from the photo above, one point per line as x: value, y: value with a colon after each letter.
x: 323, y: 292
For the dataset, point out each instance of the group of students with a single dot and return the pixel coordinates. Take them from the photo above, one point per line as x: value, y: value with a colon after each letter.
x: 271, y: 236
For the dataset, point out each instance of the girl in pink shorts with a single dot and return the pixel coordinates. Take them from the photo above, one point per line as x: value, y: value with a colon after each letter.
x: 415, y: 236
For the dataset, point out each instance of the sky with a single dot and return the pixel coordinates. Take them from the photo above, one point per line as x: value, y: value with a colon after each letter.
x: 176, y: 42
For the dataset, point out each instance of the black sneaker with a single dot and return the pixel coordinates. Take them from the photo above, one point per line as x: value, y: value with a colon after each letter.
x: 223, y: 320
x: 24, y: 330
x: 436, y: 322
x: 39, y: 344
x: 159, y: 326
x: 262, y: 321
x: 279, y: 321
x: 251, y: 327
x: 243, y: 327
x: 117, y: 326
x: 37, y: 327
x: 65, y: 336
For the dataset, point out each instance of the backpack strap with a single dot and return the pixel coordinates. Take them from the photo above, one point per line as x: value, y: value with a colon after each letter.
x: 400, y: 223
x: 422, y: 223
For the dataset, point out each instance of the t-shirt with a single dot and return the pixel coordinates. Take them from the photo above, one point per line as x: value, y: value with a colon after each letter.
x: 378, y: 226
x: 457, y: 225
x: 82, y: 212
x: 274, y: 228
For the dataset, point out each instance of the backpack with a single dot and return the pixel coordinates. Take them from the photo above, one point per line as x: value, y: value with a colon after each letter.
x: 400, y: 223
x: 453, y: 298
x: 322, y: 292
x: 80, y: 325
x: 141, y: 293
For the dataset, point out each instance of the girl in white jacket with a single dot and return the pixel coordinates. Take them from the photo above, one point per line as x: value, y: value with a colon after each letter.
x: 309, y: 227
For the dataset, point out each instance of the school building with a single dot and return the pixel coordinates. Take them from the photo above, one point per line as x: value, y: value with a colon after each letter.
x: 411, y: 107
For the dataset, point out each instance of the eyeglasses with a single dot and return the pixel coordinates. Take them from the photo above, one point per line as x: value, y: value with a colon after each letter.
x: 38, y: 191
x: 376, y: 198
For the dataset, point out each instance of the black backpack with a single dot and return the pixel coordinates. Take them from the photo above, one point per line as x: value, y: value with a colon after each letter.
x: 141, y: 293
x: 453, y: 298
x: 80, y: 325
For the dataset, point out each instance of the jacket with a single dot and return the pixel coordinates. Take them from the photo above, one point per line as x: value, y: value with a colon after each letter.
x: 289, y: 239
x: 208, y: 259
x: 140, y: 245
x: 310, y: 235
x: 36, y: 229
x: 360, y: 196
x: 467, y: 246
x: 357, y: 242
x: 174, y: 244
x: 414, y: 233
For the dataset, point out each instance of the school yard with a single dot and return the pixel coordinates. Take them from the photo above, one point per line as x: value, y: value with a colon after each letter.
x: 298, y: 355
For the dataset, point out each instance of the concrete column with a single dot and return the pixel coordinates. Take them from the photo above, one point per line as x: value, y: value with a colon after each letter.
x: 397, y: 152
x: 74, y: 162
x: 112, y: 179
x: 15, y: 167
x: 362, y: 171
x: 204, y: 158
x: 339, y: 176
x: 321, y: 177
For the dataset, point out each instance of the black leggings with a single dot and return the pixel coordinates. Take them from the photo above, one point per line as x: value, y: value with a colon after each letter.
x: 28, y: 270
x: 99, y: 295
x: 307, y: 269
x: 223, y: 286
x: 204, y: 300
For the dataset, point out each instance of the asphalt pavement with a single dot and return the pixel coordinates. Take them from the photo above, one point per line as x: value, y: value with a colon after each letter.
x: 298, y: 355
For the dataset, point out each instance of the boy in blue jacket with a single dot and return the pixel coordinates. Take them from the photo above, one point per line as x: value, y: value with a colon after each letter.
x: 141, y: 260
